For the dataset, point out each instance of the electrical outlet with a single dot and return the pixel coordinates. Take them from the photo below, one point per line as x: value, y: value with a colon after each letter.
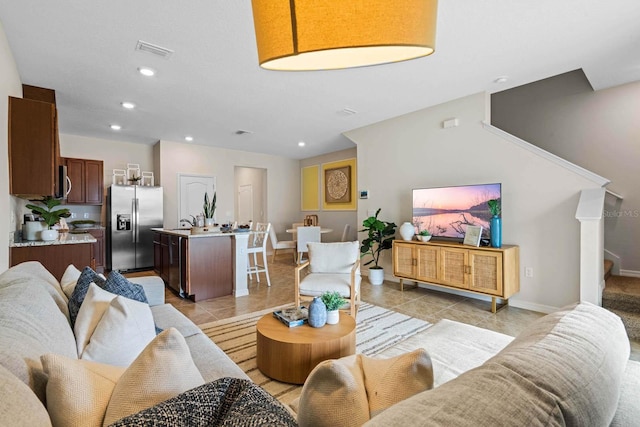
x: 86, y: 215
x: 528, y: 272
x: 73, y: 215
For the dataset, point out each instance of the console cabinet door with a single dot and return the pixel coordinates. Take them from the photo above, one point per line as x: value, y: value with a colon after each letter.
x: 454, y: 267
x: 428, y: 262
x: 486, y: 272
x: 403, y: 260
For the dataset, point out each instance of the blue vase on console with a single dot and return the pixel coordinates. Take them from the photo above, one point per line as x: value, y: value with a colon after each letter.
x: 317, y: 313
x: 496, y: 231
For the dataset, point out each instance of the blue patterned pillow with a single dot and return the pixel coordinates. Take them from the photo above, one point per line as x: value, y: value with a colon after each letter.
x: 82, y: 286
x: 119, y: 285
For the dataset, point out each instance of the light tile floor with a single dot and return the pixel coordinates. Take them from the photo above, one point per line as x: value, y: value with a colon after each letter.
x: 422, y: 303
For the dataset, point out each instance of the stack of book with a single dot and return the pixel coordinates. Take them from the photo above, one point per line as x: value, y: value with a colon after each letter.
x: 292, y: 316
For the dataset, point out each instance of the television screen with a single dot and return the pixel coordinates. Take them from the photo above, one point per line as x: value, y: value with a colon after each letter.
x: 447, y: 211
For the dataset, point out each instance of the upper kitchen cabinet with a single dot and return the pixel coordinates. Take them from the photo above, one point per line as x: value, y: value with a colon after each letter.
x: 34, y: 148
x: 87, y: 181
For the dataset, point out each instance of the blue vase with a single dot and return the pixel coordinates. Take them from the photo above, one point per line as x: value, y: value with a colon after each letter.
x: 317, y: 313
x: 496, y: 231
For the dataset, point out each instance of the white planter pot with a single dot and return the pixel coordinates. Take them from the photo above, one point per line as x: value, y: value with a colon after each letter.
x: 49, y: 235
x: 407, y: 231
x: 208, y: 222
x: 376, y: 276
x: 333, y: 317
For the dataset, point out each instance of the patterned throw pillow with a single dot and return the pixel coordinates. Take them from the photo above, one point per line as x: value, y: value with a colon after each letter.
x: 224, y: 402
x: 117, y: 284
x: 82, y: 286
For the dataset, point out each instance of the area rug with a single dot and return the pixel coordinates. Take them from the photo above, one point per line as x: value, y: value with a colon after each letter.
x: 376, y: 330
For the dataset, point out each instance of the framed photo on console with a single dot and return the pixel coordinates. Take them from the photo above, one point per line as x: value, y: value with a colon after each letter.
x: 472, y: 235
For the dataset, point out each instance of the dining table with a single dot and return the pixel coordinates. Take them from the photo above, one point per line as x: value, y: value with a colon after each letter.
x: 323, y: 230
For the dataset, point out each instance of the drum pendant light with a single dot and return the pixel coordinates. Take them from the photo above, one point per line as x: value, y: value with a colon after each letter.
x: 301, y: 35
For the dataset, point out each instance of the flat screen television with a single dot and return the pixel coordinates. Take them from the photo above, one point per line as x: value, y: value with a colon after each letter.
x: 447, y: 211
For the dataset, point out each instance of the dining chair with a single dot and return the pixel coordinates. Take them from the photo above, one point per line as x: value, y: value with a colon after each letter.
x: 332, y: 267
x: 306, y: 235
x: 345, y: 233
x: 257, y: 244
x: 281, y: 244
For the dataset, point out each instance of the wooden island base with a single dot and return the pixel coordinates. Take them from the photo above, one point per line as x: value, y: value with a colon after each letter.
x: 290, y: 354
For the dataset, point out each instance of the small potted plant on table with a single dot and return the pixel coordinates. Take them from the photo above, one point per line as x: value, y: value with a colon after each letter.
x: 333, y: 301
x: 424, y: 236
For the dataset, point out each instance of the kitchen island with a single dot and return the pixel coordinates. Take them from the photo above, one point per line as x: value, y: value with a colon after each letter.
x: 201, y: 266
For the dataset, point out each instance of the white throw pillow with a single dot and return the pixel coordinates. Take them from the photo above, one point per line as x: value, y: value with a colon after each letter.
x: 162, y: 371
x: 69, y: 280
x: 119, y: 334
x: 81, y: 393
x: 91, y: 311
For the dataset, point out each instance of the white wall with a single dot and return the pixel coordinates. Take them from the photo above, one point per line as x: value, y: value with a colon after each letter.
x: 10, y: 85
x: 596, y: 130
x: 539, y: 197
x: 283, y: 178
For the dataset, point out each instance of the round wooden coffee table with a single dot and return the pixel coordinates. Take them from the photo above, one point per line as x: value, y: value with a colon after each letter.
x: 290, y: 354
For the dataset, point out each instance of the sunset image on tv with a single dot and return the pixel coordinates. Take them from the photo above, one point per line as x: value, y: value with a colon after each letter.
x: 447, y: 211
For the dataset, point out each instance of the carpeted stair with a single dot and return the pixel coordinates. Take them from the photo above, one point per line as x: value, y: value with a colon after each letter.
x: 622, y: 296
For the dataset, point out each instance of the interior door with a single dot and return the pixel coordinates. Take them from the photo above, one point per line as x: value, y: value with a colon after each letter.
x: 191, y: 194
x: 245, y: 204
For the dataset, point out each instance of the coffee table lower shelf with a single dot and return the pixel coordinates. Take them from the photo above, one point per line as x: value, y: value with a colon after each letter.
x: 290, y: 354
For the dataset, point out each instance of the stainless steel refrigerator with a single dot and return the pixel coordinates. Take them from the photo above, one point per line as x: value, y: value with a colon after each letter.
x: 132, y: 211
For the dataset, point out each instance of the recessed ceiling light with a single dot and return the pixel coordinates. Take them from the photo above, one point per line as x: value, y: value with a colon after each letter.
x: 148, y: 72
x: 115, y: 127
x: 128, y: 105
x: 501, y: 79
x: 188, y: 138
x: 301, y: 144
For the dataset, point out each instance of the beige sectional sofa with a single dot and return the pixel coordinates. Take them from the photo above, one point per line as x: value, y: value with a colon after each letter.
x: 568, y: 368
x: 34, y: 321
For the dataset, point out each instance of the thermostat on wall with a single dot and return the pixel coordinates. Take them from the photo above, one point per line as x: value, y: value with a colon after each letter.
x: 364, y: 194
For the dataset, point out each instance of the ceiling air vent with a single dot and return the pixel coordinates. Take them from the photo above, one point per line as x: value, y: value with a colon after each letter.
x: 154, y: 49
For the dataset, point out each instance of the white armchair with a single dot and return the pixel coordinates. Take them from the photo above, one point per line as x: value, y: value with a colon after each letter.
x: 331, y: 267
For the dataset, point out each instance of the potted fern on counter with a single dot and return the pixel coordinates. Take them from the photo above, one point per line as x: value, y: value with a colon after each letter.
x: 380, y: 235
x: 49, y: 215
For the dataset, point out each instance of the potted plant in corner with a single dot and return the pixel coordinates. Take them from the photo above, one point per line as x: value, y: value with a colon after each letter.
x: 496, y: 222
x: 380, y: 237
x: 333, y: 301
x: 50, y: 216
x: 209, y: 209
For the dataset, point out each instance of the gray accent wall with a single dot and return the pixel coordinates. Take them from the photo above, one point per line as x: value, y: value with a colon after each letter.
x: 598, y: 130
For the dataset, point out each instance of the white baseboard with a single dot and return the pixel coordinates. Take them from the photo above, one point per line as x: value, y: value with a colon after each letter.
x: 630, y: 273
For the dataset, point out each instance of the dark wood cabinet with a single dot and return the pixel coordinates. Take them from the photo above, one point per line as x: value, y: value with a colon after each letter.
x: 34, y: 149
x: 87, y: 181
x: 198, y: 268
x: 55, y: 258
x: 98, y: 249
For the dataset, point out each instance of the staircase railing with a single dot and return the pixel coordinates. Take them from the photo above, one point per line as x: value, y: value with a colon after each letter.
x: 590, y: 213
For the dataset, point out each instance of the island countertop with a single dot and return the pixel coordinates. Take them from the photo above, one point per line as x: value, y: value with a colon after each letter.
x: 186, y: 232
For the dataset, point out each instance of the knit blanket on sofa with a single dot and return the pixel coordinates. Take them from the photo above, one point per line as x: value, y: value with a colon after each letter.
x: 223, y: 402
